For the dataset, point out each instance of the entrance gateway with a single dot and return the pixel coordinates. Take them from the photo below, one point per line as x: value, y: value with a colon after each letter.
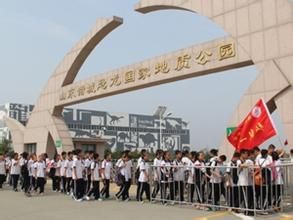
x: 261, y: 33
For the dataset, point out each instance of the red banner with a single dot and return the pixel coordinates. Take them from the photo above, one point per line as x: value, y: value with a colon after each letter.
x: 256, y: 128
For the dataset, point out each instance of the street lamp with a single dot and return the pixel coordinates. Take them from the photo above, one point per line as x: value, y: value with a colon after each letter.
x: 162, y: 118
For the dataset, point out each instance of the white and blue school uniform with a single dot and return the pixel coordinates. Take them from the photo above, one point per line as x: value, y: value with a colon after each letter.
x: 215, y: 182
x: 124, y: 174
x: 144, y: 169
x: 179, y: 175
x: 63, y: 175
x: 278, y: 183
x: 106, y: 175
x: 68, y: 176
x: 40, y: 167
x: 95, y: 183
x: 57, y: 176
x: 31, y: 173
x: 157, y: 176
x: 128, y: 179
x: 87, y: 179
x: 167, y: 185
x: 2, y: 172
x: 77, y: 177
x: 137, y: 176
x: 15, y: 173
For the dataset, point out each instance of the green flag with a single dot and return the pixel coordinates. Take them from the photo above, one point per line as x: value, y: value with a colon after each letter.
x: 230, y: 130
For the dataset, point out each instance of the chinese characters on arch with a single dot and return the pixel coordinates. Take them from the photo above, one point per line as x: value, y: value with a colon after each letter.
x: 179, y: 63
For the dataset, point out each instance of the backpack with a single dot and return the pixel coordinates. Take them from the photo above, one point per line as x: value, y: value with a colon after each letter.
x: 266, y: 175
x: 24, y: 169
x: 119, y: 178
x: 137, y: 173
x: 258, y: 175
x: 258, y: 181
x: 52, y: 172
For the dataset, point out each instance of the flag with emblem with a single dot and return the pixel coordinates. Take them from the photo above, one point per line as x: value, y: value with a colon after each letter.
x: 255, y: 129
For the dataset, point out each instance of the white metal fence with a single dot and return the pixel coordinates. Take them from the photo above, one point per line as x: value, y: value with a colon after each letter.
x: 250, y: 190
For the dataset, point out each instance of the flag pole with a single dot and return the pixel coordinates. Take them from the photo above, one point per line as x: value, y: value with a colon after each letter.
x: 282, y: 145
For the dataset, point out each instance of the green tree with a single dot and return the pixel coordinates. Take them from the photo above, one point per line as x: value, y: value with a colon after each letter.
x: 5, y: 146
x: 135, y: 154
x: 116, y: 155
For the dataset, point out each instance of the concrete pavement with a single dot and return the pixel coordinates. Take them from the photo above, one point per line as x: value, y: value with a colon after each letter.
x: 55, y: 206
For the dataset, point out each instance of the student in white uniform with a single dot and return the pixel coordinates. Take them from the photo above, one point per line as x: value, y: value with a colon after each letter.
x: 278, y: 181
x: 118, y: 167
x: 186, y: 158
x: 47, y: 162
x: 123, y: 174
x: 63, y: 173
x: 106, y: 175
x: 15, y: 171
x: 199, y: 173
x: 167, y: 186
x: 31, y: 169
x: 40, y: 167
x: 251, y: 194
x: 263, y: 192
x: 95, y: 176
x: 144, y: 178
x: 157, y: 173
x: 21, y: 162
x: 268, y: 158
x: 216, y: 180
x: 191, y: 176
x: 137, y: 173
x: 68, y: 173
x: 87, y: 167
x: 56, y: 177
x: 178, y: 176
x: 129, y: 169
x: 8, y: 166
x: 2, y: 170
x: 213, y: 157
x: 25, y: 174
x: 233, y: 189
x: 77, y: 175
x: 245, y: 174
x: 222, y: 159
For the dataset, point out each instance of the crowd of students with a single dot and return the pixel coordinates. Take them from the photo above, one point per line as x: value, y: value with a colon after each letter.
x: 72, y: 173
x: 251, y: 180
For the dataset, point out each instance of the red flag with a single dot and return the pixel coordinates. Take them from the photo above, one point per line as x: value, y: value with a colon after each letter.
x: 256, y: 128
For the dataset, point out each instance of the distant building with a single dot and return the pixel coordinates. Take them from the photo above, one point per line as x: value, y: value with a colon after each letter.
x: 118, y: 131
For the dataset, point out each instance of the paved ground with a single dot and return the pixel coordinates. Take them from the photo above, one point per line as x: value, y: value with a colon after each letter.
x: 54, y: 206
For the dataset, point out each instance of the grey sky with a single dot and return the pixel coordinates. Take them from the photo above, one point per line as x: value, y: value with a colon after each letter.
x: 35, y: 35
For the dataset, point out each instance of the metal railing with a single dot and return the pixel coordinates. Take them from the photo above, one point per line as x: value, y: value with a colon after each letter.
x: 249, y: 190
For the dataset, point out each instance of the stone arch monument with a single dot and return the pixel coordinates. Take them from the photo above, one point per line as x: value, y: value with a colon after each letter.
x: 260, y: 33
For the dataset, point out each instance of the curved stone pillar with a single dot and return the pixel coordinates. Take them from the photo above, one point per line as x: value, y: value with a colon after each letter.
x: 17, y: 133
x: 46, y: 124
